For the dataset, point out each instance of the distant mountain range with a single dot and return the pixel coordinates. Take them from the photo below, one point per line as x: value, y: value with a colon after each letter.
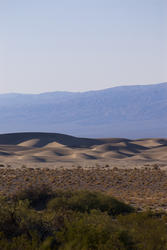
x: 128, y: 111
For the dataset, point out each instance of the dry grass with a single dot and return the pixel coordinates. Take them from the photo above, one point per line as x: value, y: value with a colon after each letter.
x: 143, y: 188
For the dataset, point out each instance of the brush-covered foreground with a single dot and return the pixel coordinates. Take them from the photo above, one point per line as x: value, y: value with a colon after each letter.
x: 144, y: 188
x: 42, y: 219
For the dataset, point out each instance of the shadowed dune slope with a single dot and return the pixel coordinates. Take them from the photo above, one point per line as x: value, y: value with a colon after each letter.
x: 43, y: 139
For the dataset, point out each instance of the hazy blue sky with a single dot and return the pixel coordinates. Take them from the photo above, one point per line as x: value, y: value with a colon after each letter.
x: 74, y: 45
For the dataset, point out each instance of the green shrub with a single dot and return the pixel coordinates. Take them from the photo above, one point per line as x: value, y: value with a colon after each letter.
x: 96, y: 230
x: 146, y: 229
x: 38, y: 196
x: 85, y: 201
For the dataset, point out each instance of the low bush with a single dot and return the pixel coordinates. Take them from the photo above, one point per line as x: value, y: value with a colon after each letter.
x: 85, y: 201
x: 37, y: 195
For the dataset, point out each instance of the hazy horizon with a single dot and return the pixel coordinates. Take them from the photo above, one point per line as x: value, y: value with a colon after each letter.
x: 81, y: 46
x: 84, y: 91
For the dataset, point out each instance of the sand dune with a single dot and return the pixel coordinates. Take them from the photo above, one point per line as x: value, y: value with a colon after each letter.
x: 151, y: 143
x: 2, y: 153
x: 47, y: 147
x: 54, y: 145
x: 29, y: 143
x: 84, y: 156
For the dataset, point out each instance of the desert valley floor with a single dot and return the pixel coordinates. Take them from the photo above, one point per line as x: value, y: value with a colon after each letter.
x: 132, y: 170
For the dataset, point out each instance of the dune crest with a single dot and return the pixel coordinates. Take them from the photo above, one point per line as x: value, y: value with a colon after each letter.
x: 29, y: 143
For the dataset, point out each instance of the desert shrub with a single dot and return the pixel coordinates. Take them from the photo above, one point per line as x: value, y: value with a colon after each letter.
x: 146, y: 229
x: 49, y: 243
x: 38, y: 195
x: 19, y: 243
x: 8, y: 221
x: 93, y: 231
x: 85, y: 201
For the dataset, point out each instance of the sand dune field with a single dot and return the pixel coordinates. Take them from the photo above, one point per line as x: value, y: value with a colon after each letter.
x: 56, y: 149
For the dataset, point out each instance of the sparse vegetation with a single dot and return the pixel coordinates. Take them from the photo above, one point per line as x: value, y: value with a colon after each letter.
x: 144, y: 188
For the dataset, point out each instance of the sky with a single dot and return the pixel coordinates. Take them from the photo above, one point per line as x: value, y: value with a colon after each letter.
x: 62, y: 45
